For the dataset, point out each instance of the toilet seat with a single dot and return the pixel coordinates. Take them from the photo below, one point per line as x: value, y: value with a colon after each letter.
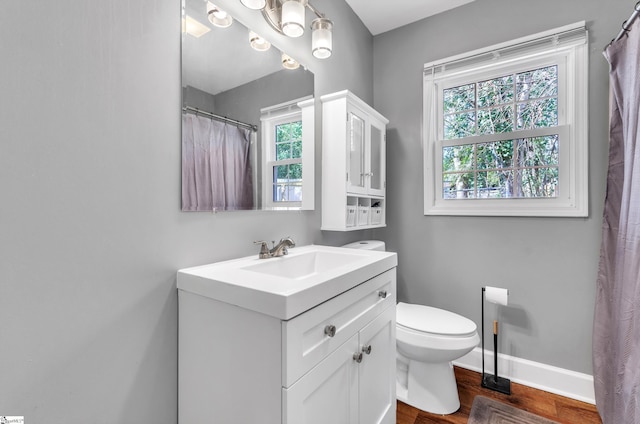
x: 427, y: 319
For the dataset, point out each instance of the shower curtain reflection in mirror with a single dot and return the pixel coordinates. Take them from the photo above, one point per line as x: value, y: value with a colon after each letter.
x: 216, y: 167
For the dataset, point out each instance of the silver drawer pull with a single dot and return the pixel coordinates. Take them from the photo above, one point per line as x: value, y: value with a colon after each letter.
x: 330, y: 330
x: 383, y: 294
x: 357, y: 357
x: 366, y: 349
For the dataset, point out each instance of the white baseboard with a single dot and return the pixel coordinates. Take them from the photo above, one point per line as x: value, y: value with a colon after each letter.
x: 551, y: 379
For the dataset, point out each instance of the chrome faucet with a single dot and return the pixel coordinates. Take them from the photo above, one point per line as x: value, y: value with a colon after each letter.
x: 282, y: 247
x: 277, y: 250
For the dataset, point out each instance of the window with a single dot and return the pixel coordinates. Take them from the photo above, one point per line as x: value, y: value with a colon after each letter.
x: 287, y: 134
x: 505, y: 129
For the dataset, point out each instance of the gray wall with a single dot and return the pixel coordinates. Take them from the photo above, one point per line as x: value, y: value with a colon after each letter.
x: 91, y: 232
x: 548, y: 264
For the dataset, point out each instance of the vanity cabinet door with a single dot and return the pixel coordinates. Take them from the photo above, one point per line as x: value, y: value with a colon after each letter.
x: 328, y: 393
x: 377, y: 378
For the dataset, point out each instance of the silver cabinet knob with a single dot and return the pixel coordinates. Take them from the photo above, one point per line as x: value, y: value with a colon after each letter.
x: 383, y: 294
x: 357, y: 357
x: 366, y: 349
x: 330, y: 330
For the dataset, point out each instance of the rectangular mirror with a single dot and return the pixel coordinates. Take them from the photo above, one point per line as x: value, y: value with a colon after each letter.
x: 247, y: 121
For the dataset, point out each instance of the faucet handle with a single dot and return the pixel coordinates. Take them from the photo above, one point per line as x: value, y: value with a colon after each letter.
x: 264, y: 249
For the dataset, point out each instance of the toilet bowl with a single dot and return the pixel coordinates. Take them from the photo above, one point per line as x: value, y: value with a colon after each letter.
x: 427, y: 341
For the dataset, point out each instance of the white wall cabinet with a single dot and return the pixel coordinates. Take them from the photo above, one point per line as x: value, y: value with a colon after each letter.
x: 334, y: 363
x: 353, y: 163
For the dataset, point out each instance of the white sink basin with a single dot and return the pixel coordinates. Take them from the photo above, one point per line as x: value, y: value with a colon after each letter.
x: 289, y: 285
x: 304, y: 265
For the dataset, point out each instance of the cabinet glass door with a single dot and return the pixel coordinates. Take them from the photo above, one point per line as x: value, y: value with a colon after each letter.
x: 377, y: 152
x: 356, y: 146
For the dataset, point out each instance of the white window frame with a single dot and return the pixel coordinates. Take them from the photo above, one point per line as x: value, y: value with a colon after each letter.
x: 521, y: 55
x: 296, y: 110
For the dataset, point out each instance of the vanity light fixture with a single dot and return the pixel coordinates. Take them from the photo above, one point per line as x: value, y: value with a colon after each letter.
x: 217, y: 16
x: 288, y: 18
x: 254, y: 4
x: 289, y: 63
x: 321, y: 42
x: 258, y: 43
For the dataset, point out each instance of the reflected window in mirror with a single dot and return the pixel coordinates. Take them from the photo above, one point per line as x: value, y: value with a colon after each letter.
x: 287, y: 135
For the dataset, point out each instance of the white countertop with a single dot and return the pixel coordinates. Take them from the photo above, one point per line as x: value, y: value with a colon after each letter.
x: 248, y: 282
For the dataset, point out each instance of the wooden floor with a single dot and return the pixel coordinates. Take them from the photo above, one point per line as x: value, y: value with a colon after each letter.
x: 554, y: 407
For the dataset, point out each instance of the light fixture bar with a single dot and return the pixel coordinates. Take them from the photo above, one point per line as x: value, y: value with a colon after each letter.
x: 316, y: 11
x: 288, y: 17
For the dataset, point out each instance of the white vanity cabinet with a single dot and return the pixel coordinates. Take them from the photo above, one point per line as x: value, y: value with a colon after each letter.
x: 353, y: 384
x: 334, y: 363
x: 353, y: 163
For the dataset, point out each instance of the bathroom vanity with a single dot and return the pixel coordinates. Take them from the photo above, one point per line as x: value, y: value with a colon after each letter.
x: 305, y: 338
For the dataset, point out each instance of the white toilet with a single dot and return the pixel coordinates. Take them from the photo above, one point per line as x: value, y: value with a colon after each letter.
x: 427, y: 340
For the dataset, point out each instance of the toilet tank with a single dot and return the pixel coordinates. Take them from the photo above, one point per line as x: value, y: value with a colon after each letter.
x: 366, y: 245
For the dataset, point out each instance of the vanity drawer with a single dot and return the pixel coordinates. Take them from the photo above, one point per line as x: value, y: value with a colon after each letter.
x: 310, y: 337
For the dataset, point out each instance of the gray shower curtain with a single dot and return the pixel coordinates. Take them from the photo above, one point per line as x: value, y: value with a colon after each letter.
x: 616, y: 333
x: 216, y: 166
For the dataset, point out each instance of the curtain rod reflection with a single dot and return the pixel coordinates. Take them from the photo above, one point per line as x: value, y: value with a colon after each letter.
x: 219, y: 118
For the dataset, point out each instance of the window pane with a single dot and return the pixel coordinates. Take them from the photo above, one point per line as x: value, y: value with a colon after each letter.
x: 495, y: 92
x: 295, y: 171
x: 459, y: 125
x: 538, y: 83
x: 537, y: 182
x: 457, y: 158
x: 458, y: 186
x: 495, y: 184
x: 283, y: 151
x: 287, y: 183
x: 296, y: 149
x: 495, y: 155
x: 289, y: 140
x: 538, y: 151
x: 538, y: 114
x: 495, y: 120
x: 459, y: 99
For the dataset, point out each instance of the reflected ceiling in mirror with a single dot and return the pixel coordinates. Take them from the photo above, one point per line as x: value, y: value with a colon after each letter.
x: 224, y: 78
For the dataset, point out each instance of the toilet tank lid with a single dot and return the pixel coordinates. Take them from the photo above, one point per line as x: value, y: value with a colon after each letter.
x: 366, y: 245
x: 433, y: 320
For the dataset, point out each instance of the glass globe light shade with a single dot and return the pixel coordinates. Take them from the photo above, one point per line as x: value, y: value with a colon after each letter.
x: 321, y: 38
x: 258, y: 43
x: 217, y: 16
x: 288, y: 62
x: 254, y: 4
x: 293, y: 18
